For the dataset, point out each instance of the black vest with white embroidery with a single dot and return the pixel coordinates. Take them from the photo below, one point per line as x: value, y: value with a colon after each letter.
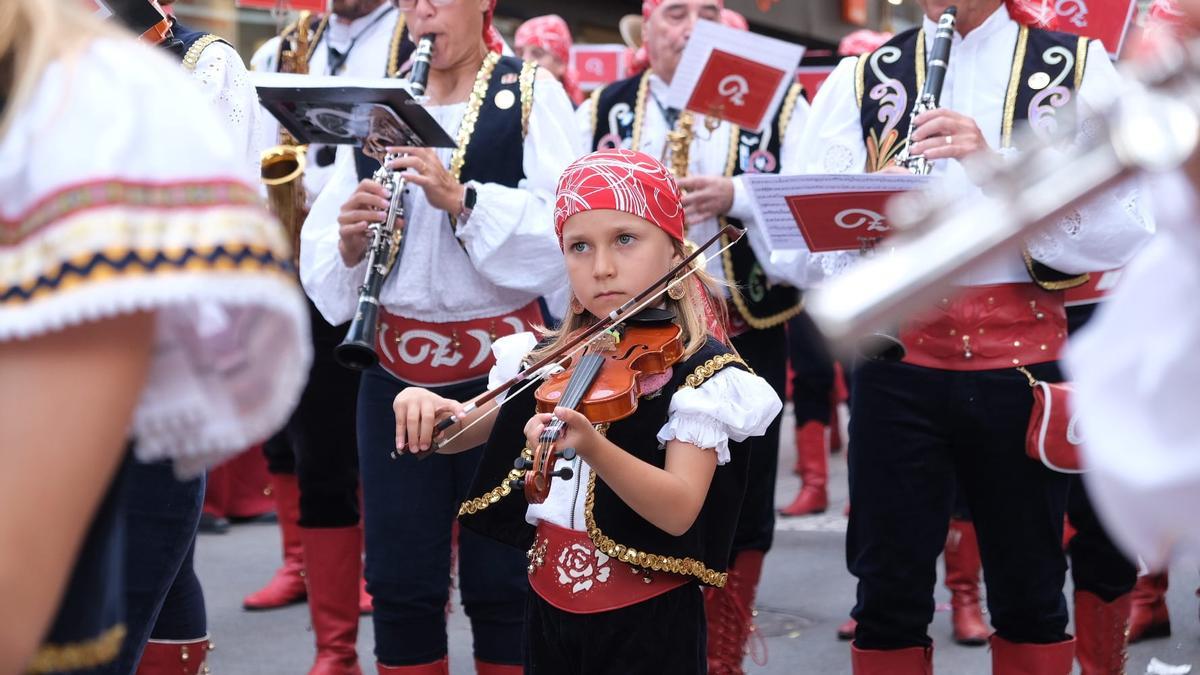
x: 494, y: 150
x: 1046, y: 71
x: 618, y: 112
x: 497, y: 510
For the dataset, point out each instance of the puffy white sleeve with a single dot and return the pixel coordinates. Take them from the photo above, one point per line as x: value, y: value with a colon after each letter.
x: 787, y: 267
x: 831, y: 142
x: 510, y: 234
x: 1134, y: 369
x: 138, y: 224
x: 331, y: 285
x: 733, y: 404
x: 1106, y: 232
x: 223, y: 78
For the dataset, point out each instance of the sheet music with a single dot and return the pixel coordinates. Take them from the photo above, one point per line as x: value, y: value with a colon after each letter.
x: 709, y: 35
x: 770, y: 192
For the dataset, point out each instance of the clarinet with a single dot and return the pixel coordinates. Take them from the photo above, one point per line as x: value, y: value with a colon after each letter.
x: 357, y: 351
x: 935, y: 77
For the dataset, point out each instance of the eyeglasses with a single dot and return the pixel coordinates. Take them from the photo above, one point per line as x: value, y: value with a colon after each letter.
x: 410, y: 5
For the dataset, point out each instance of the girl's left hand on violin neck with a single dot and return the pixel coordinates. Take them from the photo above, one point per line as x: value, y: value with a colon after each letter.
x: 577, y: 431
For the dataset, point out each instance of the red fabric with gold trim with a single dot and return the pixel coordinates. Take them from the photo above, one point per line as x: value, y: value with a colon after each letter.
x: 622, y: 180
x: 571, y: 574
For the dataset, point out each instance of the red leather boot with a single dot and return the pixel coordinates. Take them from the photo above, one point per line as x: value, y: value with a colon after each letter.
x: 287, y: 586
x: 440, y: 667
x: 962, y: 578
x: 174, y: 657
x: 1100, y: 629
x: 333, y: 557
x: 485, y: 668
x: 812, y: 463
x: 909, y: 661
x: 1022, y: 658
x: 1148, y: 617
x: 730, y: 612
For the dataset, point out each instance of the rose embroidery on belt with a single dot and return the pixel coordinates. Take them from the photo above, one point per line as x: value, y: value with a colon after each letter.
x: 581, y: 567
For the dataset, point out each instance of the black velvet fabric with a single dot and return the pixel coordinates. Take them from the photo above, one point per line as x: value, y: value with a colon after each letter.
x: 661, y: 636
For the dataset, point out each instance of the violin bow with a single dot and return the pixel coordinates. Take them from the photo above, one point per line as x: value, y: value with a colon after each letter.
x: 531, y: 375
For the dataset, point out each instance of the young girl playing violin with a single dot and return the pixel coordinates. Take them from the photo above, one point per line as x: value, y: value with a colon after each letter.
x: 643, y: 506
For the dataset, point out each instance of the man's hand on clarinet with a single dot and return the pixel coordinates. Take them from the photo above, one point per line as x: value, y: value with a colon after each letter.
x: 422, y: 167
x: 945, y: 134
x: 367, y: 205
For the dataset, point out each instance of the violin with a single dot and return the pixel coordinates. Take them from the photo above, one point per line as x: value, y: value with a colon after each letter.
x: 604, y: 385
x: 144, y: 17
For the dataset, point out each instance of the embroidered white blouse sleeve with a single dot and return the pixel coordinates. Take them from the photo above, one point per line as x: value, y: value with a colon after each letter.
x: 127, y: 226
x: 331, y: 285
x: 223, y: 77
x: 733, y: 404
x: 1105, y: 233
x: 510, y: 234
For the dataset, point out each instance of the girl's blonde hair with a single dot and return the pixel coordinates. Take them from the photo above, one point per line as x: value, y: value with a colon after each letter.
x: 33, y: 33
x: 700, y: 296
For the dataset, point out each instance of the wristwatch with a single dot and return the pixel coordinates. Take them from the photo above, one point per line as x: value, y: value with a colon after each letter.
x: 470, y: 194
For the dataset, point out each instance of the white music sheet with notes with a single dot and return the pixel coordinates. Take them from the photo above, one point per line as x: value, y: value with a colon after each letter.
x: 774, y: 214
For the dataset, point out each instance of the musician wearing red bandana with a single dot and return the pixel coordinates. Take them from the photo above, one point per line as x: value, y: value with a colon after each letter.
x: 479, y: 251
x: 953, y: 412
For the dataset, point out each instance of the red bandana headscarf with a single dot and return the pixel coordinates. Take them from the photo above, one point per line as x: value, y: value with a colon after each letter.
x: 491, y: 36
x: 1030, y: 12
x: 635, y: 183
x: 550, y: 32
x: 621, y: 180
x: 861, y: 42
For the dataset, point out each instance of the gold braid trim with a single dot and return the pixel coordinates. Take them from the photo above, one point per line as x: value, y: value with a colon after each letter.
x: 739, y: 301
x: 319, y: 33
x: 1014, y: 84
x: 1081, y: 54
x: 528, y: 76
x: 650, y: 561
x: 1060, y: 285
x: 467, y: 131
x: 860, y: 78
x: 85, y: 655
x: 711, y: 367
x: 192, y: 57
x: 595, y: 98
x: 639, y: 111
x: 393, y: 68
x: 789, y: 107
x: 473, y: 506
x: 920, y: 61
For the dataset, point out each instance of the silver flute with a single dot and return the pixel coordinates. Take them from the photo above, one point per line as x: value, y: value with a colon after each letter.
x: 357, y: 350
x: 1151, y: 125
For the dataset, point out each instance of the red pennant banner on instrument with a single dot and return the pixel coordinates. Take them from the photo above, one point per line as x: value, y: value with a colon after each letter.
x: 599, y: 65
x: 1099, y: 285
x: 841, y: 221
x: 812, y: 77
x: 1104, y: 20
x: 318, y: 6
x: 735, y: 89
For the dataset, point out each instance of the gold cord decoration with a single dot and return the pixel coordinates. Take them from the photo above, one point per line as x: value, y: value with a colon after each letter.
x: 1014, y: 84
x: 473, y: 506
x: 639, y: 110
x: 529, y: 73
x: 393, y: 68
x: 83, y: 655
x: 192, y: 57
x: 711, y: 367
x: 467, y: 130
x: 650, y: 561
x: 789, y: 107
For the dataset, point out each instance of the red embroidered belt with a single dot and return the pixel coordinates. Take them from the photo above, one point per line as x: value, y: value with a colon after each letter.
x: 438, y: 354
x: 567, y: 571
x: 989, y: 327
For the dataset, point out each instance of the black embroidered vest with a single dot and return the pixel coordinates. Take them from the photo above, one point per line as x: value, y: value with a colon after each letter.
x: 497, y: 510
x: 618, y: 112
x: 187, y: 43
x: 400, y: 49
x: 494, y: 148
x: 1047, y: 68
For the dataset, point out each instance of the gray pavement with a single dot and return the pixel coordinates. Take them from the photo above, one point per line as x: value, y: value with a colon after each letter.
x: 805, y: 593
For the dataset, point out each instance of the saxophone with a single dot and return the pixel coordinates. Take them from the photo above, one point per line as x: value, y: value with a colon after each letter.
x: 282, y: 167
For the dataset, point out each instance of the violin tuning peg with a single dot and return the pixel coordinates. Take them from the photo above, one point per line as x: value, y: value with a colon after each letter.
x: 567, y: 453
x: 518, y: 484
x: 564, y: 473
x: 523, y: 464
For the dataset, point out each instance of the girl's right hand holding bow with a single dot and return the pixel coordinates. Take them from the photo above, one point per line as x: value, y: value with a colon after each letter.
x: 419, y: 410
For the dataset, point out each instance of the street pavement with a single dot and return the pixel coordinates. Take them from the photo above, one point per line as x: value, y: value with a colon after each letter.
x: 805, y: 594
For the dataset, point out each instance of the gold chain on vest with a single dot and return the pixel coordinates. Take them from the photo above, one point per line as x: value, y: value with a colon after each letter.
x: 471, y: 117
x: 83, y: 655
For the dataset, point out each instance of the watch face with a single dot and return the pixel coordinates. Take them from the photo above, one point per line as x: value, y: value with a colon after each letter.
x: 469, y: 197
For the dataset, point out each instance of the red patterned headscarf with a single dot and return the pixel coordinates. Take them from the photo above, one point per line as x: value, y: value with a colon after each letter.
x: 1030, y: 12
x: 491, y: 36
x: 861, y: 42
x: 550, y: 32
x: 621, y: 180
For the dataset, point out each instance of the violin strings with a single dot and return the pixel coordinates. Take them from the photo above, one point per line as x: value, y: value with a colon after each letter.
x: 545, y: 372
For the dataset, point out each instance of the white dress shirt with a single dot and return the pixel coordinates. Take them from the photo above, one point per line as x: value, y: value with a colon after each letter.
x: 1102, y: 235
